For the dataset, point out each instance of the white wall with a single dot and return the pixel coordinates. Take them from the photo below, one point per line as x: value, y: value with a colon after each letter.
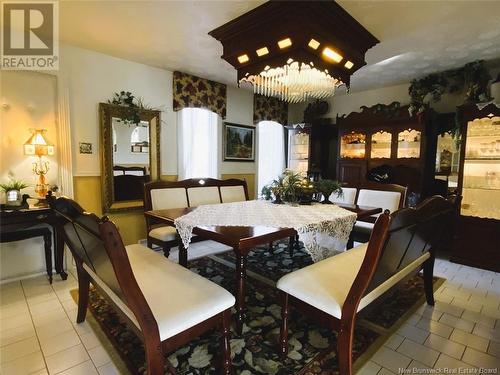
x: 239, y: 111
x: 28, y: 100
x: 94, y: 77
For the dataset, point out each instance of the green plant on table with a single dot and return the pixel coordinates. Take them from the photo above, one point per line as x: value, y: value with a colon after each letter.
x: 327, y: 188
x: 13, y: 185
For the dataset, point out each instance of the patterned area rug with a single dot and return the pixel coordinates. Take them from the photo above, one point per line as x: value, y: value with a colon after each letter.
x: 256, y: 350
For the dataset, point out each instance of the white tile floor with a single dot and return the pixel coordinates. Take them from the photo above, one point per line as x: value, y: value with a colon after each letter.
x: 38, y: 333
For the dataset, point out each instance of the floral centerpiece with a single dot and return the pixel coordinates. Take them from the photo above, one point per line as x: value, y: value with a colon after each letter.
x: 327, y: 188
x: 289, y: 187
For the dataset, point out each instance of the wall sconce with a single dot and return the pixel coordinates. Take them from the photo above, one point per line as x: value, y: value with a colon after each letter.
x: 37, y: 145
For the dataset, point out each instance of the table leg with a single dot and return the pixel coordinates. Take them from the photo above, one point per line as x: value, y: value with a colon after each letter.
x: 47, y: 242
x: 183, y: 255
x: 241, y: 273
x: 59, y: 253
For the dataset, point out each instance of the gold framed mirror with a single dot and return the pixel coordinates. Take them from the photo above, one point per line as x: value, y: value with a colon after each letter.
x: 130, y: 155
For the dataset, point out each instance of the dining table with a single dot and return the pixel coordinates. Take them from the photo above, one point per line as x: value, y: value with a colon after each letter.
x: 241, y: 239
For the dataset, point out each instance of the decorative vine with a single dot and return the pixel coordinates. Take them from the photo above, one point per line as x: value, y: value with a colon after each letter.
x: 471, y: 79
x: 135, y: 104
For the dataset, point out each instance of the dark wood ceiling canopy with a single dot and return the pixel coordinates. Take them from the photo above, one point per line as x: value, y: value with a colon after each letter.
x: 301, y: 21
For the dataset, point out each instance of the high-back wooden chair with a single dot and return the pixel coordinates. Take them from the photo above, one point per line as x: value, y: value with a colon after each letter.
x: 334, y: 290
x: 389, y: 197
x: 164, y: 303
x: 159, y: 195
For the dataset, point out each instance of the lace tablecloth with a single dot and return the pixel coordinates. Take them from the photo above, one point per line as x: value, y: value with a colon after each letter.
x: 324, y: 229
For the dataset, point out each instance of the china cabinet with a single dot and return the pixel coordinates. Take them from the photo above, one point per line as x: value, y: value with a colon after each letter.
x: 312, y: 148
x: 478, y: 239
x: 383, y: 139
x: 298, y: 149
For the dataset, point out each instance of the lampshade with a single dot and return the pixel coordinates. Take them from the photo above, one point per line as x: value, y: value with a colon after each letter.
x: 295, y: 50
x: 37, y: 144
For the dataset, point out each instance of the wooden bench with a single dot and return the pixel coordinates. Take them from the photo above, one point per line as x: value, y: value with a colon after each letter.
x: 193, y: 192
x: 164, y: 303
x: 334, y: 290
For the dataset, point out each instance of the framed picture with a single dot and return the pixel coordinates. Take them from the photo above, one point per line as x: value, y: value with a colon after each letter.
x: 238, y: 142
x: 85, y: 148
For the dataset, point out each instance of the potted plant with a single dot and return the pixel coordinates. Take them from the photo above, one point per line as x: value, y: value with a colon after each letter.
x: 307, y: 190
x: 277, y: 187
x: 12, y: 191
x: 291, y: 186
x: 327, y: 188
x: 266, y: 193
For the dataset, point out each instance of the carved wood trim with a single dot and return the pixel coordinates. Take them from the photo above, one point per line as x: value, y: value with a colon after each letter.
x: 106, y: 113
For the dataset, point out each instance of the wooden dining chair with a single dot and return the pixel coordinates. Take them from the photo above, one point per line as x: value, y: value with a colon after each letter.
x: 164, y: 303
x: 335, y: 290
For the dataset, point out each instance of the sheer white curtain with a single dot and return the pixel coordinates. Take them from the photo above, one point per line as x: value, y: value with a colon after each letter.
x: 271, y: 152
x: 198, y: 151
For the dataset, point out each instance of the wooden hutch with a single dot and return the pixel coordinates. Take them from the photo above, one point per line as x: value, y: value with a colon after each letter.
x: 385, y: 135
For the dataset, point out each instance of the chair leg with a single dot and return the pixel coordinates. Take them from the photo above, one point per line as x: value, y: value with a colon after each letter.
x: 154, y: 357
x: 166, y: 251
x: 225, y: 343
x: 297, y: 244
x: 291, y: 243
x: 428, y: 275
x: 47, y: 241
x: 284, y: 325
x: 350, y: 243
x: 344, y: 347
x: 150, y: 243
x: 83, y: 292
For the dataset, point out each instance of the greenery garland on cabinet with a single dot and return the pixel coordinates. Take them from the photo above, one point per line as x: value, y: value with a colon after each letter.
x: 471, y: 79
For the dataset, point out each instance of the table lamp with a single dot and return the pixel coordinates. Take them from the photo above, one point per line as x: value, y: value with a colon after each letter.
x: 37, y: 145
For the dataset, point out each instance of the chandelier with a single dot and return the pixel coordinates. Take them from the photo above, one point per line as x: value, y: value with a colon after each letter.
x: 295, y: 50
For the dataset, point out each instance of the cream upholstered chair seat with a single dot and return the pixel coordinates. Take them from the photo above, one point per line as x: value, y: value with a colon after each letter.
x: 363, y: 227
x: 348, y: 196
x: 163, y: 233
x: 186, y: 300
x: 325, y: 284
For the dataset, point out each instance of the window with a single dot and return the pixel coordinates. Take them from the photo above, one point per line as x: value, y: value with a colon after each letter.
x: 197, y: 147
x: 271, y: 152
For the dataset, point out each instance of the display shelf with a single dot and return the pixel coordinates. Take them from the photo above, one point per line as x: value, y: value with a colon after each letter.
x: 409, y: 144
x: 481, y: 160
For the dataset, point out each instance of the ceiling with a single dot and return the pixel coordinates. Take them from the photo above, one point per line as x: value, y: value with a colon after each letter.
x: 417, y: 37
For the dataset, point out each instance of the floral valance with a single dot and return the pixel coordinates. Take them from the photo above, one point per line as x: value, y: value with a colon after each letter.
x: 269, y: 109
x: 192, y: 91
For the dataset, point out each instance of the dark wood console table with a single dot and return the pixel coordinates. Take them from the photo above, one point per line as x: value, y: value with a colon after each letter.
x: 16, y: 225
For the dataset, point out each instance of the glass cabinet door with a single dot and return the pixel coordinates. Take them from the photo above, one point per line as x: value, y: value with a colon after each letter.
x: 353, y: 146
x: 381, y: 145
x: 298, y: 151
x: 481, y: 180
x: 409, y: 144
x: 447, y: 160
